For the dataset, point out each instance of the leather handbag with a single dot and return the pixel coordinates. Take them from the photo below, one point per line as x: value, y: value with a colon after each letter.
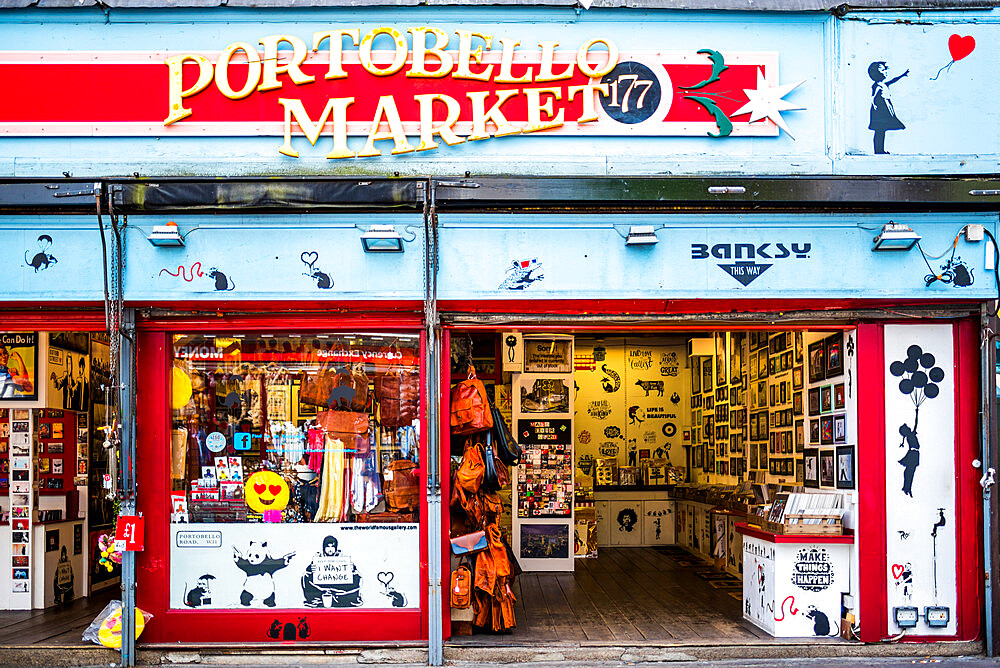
x: 461, y: 586
x: 470, y: 543
x: 315, y: 388
x: 491, y: 483
x: 348, y: 426
x: 507, y: 449
x: 402, y: 485
x: 470, y: 411
x: 350, y: 389
x: 398, y: 393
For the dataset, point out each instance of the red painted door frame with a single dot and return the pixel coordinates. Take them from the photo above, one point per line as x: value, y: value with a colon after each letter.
x: 153, y: 428
x: 872, y: 597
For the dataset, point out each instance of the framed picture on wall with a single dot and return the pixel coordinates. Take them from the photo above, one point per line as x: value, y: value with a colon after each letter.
x: 845, y: 467
x: 706, y: 374
x: 811, y: 461
x: 814, y: 401
x: 798, y: 347
x: 800, y: 435
x: 797, y: 373
x: 797, y: 403
x: 839, y: 428
x: 721, y: 358
x: 834, y: 355
x: 817, y: 361
x: 826, y: 399
x: 827, y: 468
x: 826, y: 430
x: 838, y: 396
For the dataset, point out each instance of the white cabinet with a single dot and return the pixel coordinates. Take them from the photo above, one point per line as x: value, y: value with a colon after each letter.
x: 658, y: 522
x: 626, y: 527
x: 603, y: 522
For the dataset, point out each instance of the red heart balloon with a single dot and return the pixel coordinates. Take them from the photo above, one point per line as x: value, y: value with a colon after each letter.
x: 274, y: 489
x: 961, y: 46
x: 897, y: 570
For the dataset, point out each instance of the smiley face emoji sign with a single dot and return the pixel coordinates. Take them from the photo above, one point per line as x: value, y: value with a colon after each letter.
x: 266, y: 490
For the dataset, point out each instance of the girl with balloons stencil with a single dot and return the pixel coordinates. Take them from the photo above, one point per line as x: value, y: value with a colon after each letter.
x: 919, y: 378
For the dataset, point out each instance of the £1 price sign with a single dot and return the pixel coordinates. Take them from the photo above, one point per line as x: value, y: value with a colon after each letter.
x: 129, y: 533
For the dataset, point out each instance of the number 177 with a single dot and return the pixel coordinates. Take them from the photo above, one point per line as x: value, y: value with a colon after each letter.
x: 641, y: 86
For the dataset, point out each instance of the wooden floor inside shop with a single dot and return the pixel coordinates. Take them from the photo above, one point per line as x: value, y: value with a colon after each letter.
x: 60, y: 626
x: 628, y: 595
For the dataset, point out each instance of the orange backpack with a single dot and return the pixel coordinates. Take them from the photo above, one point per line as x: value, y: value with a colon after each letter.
x: 461, y: 586
x: 470, y: 410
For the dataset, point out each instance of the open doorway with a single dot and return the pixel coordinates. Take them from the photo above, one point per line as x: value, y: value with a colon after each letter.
x: 652, y: 465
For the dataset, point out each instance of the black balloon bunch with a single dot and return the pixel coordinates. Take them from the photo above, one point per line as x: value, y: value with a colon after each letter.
x: 919, y: 377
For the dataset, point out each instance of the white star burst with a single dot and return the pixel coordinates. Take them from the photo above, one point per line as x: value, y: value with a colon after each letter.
x: 766, y: 102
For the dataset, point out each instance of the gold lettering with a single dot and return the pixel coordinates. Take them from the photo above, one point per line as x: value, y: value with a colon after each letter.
x: 337, y: 106
x: 175, y: 84
x: 545, y: 72
x: 427, y: 129
x: 386, y: 109
x: 466, y: 55
x: 336, y: 37
x: 222, y: 71
x: 507, y: 60
x: 365, y: 52
x: 536, y: 107
x: 269, y: 80
x: 589, y: 112
x: 420, y: 51
x: 595, y: 72
x: 480, y: 116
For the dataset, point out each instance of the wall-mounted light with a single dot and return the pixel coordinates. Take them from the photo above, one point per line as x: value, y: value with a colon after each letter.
x: 382, y: 239
x: 641, y: 235
x: 166, y: 235
x: 895, y: 237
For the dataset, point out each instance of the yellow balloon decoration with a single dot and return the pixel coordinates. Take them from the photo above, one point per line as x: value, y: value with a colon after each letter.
x: 180, y: 388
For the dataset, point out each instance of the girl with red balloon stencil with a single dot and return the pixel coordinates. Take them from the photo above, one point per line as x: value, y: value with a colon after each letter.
x: 919, y: 380
x: 883, y: 114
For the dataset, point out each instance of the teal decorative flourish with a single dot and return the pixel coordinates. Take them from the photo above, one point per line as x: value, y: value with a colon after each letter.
x: 721, y: 120
x: 718, y: 67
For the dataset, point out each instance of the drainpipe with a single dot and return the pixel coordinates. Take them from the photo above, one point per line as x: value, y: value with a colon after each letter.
x: 432, y: 356
x: 126, y: 384
x: 989, y: 464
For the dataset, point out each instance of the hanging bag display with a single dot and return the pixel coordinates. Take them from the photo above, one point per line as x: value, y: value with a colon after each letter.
x: 398, y: 392
x: 348, y: 426
x: 350, y: 389
x: 506, y: 448
x: 461, y: 585
x: 402, y: 485
x: 315, y: 387
x: 491, y: 482
x: 470, y: 411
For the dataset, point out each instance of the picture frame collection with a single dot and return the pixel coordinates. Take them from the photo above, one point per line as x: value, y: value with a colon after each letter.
x: 760, y: 405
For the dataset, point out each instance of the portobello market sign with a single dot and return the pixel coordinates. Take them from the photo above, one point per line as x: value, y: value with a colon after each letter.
x: 449, y: 88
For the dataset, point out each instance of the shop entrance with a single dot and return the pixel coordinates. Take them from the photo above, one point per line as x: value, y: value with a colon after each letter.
x: 660, y: 479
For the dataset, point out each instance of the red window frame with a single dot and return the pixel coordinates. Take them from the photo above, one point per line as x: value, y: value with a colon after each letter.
x: 152, y: 460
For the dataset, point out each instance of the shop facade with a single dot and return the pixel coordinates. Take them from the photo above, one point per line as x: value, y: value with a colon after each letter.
x: 585, y: 173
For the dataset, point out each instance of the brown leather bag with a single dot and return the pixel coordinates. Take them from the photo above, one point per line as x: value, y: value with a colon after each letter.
x: 398, y: 393
x: 402, y: 485
x: 348, y: 426
x: 316, y: 387
x: 461, y: 587
x: 470, y: 410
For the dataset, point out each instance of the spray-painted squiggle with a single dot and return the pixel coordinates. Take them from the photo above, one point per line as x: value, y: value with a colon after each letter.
x: 792, y: 610
x: 196, y: 272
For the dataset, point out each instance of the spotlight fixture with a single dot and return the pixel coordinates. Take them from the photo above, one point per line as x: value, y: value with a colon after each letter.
x: 382, y: 239
x: 166, y: 235
x: 641, y: 235
x: 895, y: 237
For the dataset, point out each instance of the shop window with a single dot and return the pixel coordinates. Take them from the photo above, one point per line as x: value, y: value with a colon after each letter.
x: 295, y: 471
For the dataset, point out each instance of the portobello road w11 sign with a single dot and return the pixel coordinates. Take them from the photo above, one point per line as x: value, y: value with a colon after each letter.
x: 446, y: 89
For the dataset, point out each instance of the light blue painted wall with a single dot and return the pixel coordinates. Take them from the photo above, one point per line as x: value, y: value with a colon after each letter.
x: 261, y: 258
x: 586, y: 257
x: 951, y: 123
x: 580, y: 257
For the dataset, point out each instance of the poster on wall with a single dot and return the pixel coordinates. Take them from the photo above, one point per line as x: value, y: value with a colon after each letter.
x: 69, y: 379
x: 548, y: 356
x: 920, y: 473
x: 19, y: 366
x: 288, y: 566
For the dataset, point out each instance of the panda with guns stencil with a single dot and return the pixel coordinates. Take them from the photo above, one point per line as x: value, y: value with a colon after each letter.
x: 260, y: 568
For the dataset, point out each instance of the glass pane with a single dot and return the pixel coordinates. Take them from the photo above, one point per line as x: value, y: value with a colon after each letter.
x: 316, y: 431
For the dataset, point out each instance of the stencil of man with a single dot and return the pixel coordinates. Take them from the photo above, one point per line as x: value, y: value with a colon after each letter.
x: 905, y: 580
